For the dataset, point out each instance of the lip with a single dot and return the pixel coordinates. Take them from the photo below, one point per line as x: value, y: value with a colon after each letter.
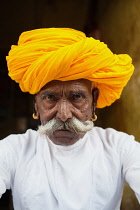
x: 64, y: 134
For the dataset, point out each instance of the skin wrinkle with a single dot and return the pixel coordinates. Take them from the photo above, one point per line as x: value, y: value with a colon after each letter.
x: 63, y: 101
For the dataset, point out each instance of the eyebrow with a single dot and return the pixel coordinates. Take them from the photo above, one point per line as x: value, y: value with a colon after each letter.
x: 78, y: 91
x: 55, y: 93
x: 47, y: 92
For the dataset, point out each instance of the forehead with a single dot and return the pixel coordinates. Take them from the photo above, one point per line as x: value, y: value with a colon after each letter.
x: 65, y: 86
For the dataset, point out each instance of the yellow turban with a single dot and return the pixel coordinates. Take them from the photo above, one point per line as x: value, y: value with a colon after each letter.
x: 47, y: 54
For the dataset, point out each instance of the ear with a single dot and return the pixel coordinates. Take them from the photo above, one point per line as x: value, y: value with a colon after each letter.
x: 35, y: 108
x: 95, y: 95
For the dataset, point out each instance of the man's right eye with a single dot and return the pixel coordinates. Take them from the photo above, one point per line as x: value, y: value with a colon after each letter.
x: 49, y: 97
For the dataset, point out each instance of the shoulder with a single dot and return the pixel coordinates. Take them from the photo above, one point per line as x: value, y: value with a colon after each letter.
x: 109, y: 133
x: 112, y: 138
x: 16, y: 141
x: 18, y: 146
x: 116, y: 144
x: 29, y: 133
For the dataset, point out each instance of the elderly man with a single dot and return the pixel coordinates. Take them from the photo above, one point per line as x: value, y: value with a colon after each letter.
x: 68, y: 164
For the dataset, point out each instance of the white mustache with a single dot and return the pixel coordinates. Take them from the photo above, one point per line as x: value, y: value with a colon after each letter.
x: 73, y: 125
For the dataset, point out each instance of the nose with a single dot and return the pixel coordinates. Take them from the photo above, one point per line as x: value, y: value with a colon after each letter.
x: 64, y: 111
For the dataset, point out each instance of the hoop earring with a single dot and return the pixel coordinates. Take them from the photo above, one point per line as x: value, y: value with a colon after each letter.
x: 94, y: 118
x: 35, y: 117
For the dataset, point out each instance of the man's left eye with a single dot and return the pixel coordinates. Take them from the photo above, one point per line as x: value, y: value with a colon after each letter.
x: 77, y: 96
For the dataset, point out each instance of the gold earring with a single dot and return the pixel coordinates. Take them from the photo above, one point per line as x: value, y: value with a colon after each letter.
x: 94, y: 118
x: 35, y: 117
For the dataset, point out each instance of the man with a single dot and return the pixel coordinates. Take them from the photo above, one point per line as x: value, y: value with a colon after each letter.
x: 68, y: 164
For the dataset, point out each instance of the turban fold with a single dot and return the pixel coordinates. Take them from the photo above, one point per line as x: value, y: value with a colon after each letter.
x: 47, y: 54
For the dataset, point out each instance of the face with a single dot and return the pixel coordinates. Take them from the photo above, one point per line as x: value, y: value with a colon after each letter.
x: 64, y: 100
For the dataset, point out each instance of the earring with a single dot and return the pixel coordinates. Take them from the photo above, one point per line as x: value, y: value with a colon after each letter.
x: 94, y: 118
x: 35, y: 117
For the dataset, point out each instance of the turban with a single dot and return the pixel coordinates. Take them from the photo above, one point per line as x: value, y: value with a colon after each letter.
x: 47, y: 54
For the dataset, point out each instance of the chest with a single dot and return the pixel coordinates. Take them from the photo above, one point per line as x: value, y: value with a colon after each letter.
x: 44, y: 183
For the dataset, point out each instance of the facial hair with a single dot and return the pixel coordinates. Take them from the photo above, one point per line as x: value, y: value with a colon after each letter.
x: 73, y: 125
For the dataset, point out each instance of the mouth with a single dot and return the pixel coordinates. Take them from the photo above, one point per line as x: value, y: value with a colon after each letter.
x: 63, y: 130
x: 63, y: 133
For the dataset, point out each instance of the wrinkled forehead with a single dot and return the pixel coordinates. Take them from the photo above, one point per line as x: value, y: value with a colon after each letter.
x: 80, y: 84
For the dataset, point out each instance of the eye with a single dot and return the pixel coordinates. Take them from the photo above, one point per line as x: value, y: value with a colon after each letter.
x: 77, y: 97
x: 49, y: 97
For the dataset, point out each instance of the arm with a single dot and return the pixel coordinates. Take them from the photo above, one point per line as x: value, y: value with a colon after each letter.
x: 8, y: 162
x: 131, y: 165
x: 4, y: 169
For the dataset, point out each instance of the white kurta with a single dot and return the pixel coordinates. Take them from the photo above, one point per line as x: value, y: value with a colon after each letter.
x: 88, y: 175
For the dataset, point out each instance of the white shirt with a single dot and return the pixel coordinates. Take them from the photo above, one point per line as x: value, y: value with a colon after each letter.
x: 88, y: 175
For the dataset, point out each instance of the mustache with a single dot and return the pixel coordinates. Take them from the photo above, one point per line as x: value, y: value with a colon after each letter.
x: 73, y: 125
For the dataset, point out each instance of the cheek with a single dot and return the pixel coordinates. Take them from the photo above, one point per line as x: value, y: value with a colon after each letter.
x: 46, y: 114
x: 86, y: 111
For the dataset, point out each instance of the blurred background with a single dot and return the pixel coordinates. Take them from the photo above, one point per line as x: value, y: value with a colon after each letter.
x: 115, y: 22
